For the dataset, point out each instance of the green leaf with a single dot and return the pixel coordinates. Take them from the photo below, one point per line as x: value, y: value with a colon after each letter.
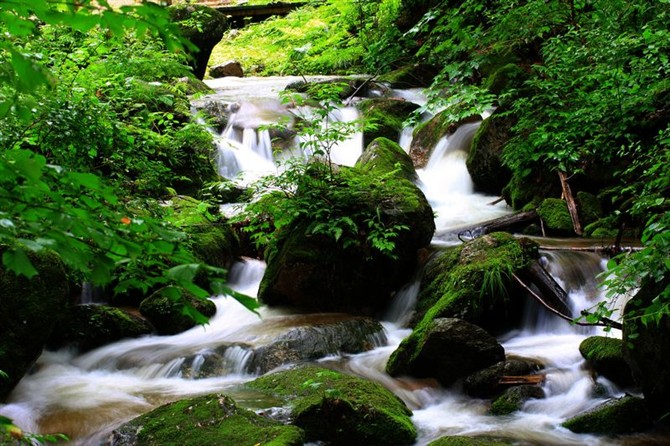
x: 16, y: 260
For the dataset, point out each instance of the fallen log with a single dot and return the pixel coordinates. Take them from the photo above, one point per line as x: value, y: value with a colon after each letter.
x: 548, y: 288
x: 507, y: 223
x: 521, y: 380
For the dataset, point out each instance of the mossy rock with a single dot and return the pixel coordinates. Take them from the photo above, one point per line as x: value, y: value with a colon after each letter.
x: 410, y: 76
x: 604, y: 228
x: 514, y: 398
x: 589, y: 208
x: 382, y: 156
x: 527, y: 192
x: 91, y: 326
x: 427, y: 135
x: 387, y: 117
x: 347, y: 86
x: 556, y: 217
x: 192, y: 86
x: 447, y: 349
x: 202, y: 421
x: 505, y: 77
x: 625, y: 415
x: 29, y: 310
x: 605, y: 356
x: 474, y: 282
x: 340, y: 409
x: 486, y: 383
x: 203, y: 27
x: 484, y: 160
x: 470, y: 441
x: 168, y: 315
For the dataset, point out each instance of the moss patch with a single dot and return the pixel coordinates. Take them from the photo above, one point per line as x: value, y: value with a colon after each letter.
x: 470, y: 441
x: 382, y: 156
x: 555, y: 215
x: 384, y: 117
x: 341, y: 409
x: 620, y: 416
x: 167, y: 314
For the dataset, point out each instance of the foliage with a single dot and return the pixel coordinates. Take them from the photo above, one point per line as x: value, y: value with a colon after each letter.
x: 12, y: 434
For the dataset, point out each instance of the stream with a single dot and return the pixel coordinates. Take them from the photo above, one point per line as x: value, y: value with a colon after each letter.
x: 88, y: 395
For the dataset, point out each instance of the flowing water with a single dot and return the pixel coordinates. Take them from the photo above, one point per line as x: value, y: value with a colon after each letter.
x: 87, y: 395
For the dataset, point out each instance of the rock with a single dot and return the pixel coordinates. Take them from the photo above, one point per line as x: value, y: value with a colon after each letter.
x: 624, y: 415
x: 555, y: 216
x: 471, y: 441
x: 427, y: 135
x: 605, y: 356
x: 231, y: 68
x: 192, y: 86
x: 410, y: 76
x: 447, y: 349
x: 307, y: 270
x: 484, y: 160
x: 29, y: 310
x: 204, y: 27
x: 647, y: 348
x: 91, y: 326
x: 216, y: 112
x: 486, y: 383
x: 589, y: 208
x: 382, y: 156
x: 513, y: 399
x: 340, y: 409
x: 474, y: 282
x: 167, y: 314
x: 504, y: 78
x: 387, y: 117
x: 205, y: 420
x: 348, y: 87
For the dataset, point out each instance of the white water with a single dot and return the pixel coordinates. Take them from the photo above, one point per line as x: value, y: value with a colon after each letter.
x: 87, y: 395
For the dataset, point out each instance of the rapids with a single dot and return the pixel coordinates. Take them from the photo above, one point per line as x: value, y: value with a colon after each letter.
x: 87, y: 395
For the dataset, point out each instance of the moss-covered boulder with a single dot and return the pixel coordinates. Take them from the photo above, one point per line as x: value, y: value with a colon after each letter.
x: 427, y: 134
x: 318, y: 273
x: 90, y: 326
x: 205, y: 420
x: 624, y: 415
x: 474, y: 282
x: 470, y: 441
x: 387, y: 117
x: 340, y: 409
x: 647, y: 347
x: 484, y: 160
x: 512, y: 399
x: 605, y: 356
x: 447, y: 349
x: 203, y: 27
x: 29, y: 310
x: 383, y: 156
x: 410, y: 76
x: 167, y: 314
x: 555, y: 216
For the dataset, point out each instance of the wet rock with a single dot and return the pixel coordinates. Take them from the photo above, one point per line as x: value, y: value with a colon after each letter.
x: 410, y: 76
x: 383, y: 156
x: 605, y: 356
x: 513, y: 399
x: 484, y: 160
x: 91, y: 326
x: 230, y: 68
x: 474, y: 282
x: 29, y: 310
x: 446, y: 349
x: 555, y: 216
x: 427, y: 135
x: 205, y: 420
x: 204, y: 27
x: 471, y: 441
x: 387, y: 117
x: 624, y: 415
x: 167, y: 314
x: 191, y: 86
x: 216, y: 112
x: 340, y: 409
x: 348, y: 86
x: 486, y: 383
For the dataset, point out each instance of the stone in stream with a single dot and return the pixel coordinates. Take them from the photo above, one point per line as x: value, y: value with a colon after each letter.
x: 205, y: 420
x: 387, y: 116
x: 427, y: 135
x: 446, y: 349
x: 229, y: 68
x: 486, y: 383
x: 624, y: 415
x: 340, y: 409
x: 513, y: 399
x: 605, y: 356
x: 471, y: 441
x: 484, y: 161
x: 167, y: 314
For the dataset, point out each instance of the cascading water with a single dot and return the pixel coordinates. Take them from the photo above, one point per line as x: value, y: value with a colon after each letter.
x: 87, y: 395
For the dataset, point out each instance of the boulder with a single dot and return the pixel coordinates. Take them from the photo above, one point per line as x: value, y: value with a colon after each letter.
x: 486, y: 383
x: 216, y: 112
x: 484, y: 160
x: 340, y: 409
x: 203, y: 27
x: 317, y: 273
x: 471, y: 441
x: 91, y: 326
x: 555, y: 216
x: 230, y: 68
x: 410, y: 76
x: 386, y: 116
x: 347, y: 86
x: 624, y: 415
x: 167, y: 314
x: 382, y: 156
x: 513, y: 399
x: 647, y: 347
x: 427, y: 135
x: 29, y: 310
x: 605, y: 357
x: 447, y: 349
x: 204, y: 420
x: 474, y: 282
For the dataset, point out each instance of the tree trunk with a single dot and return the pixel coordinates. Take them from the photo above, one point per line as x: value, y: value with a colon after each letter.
x: 572, y: 206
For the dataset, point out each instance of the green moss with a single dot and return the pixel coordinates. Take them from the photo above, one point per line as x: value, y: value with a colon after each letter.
x: 209, y: 420
x: 384, y: 118
x: 470, y: 441
x: 600, y: 348
x: 555, y: 215
x: 589, y: 207
x: 383, y: 156
x: 341, y: 409
x: 619, y: 416
x: 508, y: 76
x: 513, y: 399
x: 409, y: 76
x: 607, y: 227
